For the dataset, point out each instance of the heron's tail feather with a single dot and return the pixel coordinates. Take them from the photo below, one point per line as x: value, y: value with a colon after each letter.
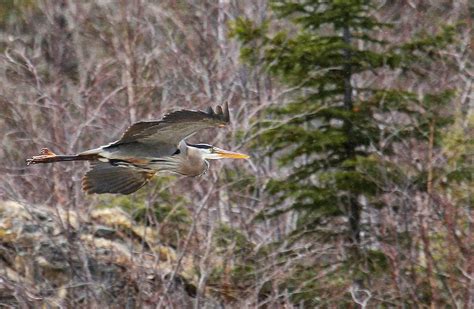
x: 47, y: 156
x: 106, y: 178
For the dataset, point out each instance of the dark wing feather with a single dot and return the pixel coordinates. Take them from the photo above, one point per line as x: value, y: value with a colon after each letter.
x: 106, y: 178
x: 175, y: 126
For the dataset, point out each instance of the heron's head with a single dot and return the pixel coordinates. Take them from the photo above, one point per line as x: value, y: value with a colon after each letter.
x: 209, y: 152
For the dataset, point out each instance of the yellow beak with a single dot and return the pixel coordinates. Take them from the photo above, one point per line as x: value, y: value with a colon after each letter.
x: 231, y: 154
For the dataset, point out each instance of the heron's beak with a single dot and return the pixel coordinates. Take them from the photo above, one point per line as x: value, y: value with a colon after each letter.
x: 230, y: 154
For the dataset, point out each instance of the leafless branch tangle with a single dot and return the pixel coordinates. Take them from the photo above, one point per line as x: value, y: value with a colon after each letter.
x: 75, y: 74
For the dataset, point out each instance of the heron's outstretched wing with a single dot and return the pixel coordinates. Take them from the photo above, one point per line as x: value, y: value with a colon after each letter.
x: 106, y: 178
x: 175, y: 126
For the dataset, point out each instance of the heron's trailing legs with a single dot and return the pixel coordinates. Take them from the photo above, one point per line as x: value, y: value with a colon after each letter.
x: 47, y: 156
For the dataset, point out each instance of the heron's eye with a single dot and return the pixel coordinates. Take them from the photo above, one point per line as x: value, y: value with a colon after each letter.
x: 212, y: 150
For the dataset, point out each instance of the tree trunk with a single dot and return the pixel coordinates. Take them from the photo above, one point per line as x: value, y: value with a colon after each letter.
x: 354, y: 207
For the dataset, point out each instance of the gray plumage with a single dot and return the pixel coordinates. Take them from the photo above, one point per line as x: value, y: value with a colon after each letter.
x: 174, y: 127
x: 106, y: 178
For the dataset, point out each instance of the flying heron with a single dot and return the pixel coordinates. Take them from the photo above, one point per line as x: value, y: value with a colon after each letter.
x: 147, y: 148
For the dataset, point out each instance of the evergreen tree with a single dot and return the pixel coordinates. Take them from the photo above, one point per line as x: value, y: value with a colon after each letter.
x: 334, y: 138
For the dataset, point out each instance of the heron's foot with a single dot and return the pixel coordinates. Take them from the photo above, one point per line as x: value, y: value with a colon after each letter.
x: 44, y: 153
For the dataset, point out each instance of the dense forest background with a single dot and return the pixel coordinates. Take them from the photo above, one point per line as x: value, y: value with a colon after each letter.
x: 358, y: 116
